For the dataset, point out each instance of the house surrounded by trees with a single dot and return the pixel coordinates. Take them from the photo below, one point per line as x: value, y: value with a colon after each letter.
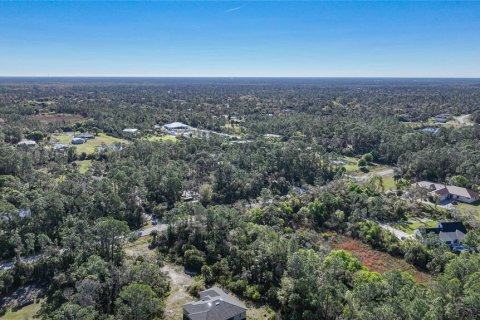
x: 445, y: 192
x: 214, y: 304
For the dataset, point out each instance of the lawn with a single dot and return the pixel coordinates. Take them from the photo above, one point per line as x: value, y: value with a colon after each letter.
x: 25, y: 313
x: 91, y: 145
x: 352, y: 164
x: 377, y: 261
x: 161, y: 138
x: 83, y: 165
x: 471, y: 207
x: 389, y: 182
x: 410, y: 226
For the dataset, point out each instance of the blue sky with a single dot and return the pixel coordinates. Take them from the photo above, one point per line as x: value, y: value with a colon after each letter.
x: 317, y: 39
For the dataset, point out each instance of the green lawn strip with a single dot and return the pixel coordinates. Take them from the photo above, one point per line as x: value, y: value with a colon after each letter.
x: 161, y: 138
x: 24, y: 313
x: 409, y: 227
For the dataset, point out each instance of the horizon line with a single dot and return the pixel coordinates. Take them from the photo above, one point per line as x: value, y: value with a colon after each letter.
x: 240, y: 77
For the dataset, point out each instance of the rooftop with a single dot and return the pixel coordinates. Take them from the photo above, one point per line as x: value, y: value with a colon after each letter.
x: 215, y: 304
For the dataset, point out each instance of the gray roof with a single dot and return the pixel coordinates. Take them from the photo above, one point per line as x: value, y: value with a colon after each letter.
x: 175, y: 125
x: 444, y: 189
x: 215, y: 304
x: 85, y: 135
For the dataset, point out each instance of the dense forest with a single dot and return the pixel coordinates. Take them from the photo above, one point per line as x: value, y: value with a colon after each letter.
x: 257, y: 211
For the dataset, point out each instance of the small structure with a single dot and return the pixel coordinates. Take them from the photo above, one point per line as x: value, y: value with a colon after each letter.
x: 60, y: 147
x: 113, y: 147
x: 272, y: 136
x: 175, y: 126
x: 190, y: 195
x: 78, y: 141
x: 26, y: 143
x: 450, y: 233
x: 441, y: 118
x: 445, y: 192
x: 86, y: 136
x: 130, y: 130
x: 214, y: 304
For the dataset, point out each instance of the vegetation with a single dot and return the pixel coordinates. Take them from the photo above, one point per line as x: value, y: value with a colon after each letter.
x: 289, y: 224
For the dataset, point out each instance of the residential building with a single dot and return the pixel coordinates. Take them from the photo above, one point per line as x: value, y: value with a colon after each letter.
x: 27, y: 143
x: 214, y: 304
x: 176, y: 126
x: 450, y: 233
x: 60, y: 146
x: 85, y: 136
x: 78, y: 141
x: 446, y: 192
x: 130, y: 130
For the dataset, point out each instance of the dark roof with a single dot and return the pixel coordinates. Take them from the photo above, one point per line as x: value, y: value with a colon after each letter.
x: 449, y: 231
x: 452, y: 226
x: 215, y: 304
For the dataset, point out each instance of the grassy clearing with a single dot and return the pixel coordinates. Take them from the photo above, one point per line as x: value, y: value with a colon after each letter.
x: 259, y: 313
x: 352, y: 164
x: 235, y: 129
x: 161, y: 138
x: 84, y: 165
x: 389, y: 182
x: 25, y: 313
x: 90, y: 146
x: 378, y: 261
x: 470, y: 207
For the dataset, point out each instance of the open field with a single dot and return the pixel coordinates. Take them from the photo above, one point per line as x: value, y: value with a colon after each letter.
x: 389, y: 182
x: 352, y: 164
x: 83, y: 165
x: 91, y: 145
x: 470, y: 207
x: 25, y: 313
x: 161, y: 138
x: 61, y: 118
x: 376, y: 260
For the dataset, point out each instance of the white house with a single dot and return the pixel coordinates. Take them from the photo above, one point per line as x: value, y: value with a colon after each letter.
x: 27, y: 143
x: 446, y: 192
x: 176, y: 126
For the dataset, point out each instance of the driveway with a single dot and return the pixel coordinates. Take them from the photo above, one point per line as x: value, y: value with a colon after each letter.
x: 401, y: 235
x: 367, y: 176
x: 159, y: 227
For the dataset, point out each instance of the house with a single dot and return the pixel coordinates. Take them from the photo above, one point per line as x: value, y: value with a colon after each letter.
x: 445, y: 192
x: 130, y: 130
x: 60, y: 146
x: 441, y: 118
x: 86, y: 136
x: 450, y: 233
x: 78, y: 141
x: 214, y: 304
x: 26, y: 143
x: 176, y: 126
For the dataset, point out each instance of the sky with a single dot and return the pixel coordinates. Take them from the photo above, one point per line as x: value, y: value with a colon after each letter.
x: 236, y: 39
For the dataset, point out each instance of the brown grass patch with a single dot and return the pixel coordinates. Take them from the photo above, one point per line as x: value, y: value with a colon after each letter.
x: 378, y: 261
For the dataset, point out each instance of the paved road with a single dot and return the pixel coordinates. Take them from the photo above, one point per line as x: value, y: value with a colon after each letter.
x: 369, y: 175
x: 401, y: 235
x: 159, y: 227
